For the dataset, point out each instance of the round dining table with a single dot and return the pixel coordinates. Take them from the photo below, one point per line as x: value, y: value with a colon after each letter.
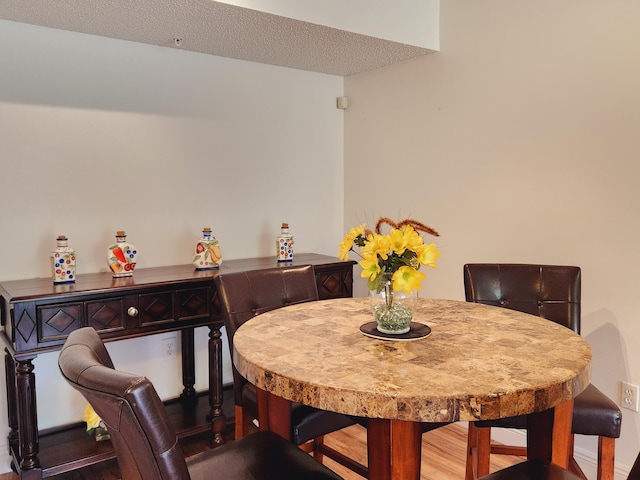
x: 461, y: 361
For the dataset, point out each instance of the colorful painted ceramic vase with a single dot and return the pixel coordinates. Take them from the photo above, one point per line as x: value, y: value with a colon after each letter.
x: 63, y: 262
x: 284, y: 244
x: 121, y: 256
x: 207, y: 254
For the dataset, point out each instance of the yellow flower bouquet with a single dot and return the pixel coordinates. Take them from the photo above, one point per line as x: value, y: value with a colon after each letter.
x: 391, y: 263
x: 95, y: 425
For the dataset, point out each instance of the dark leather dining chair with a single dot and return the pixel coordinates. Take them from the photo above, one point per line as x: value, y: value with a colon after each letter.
x: 145, y: 444
x: 243, y: 295
x: 554, y: 293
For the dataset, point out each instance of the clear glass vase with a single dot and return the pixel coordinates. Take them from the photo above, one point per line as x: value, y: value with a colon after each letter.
x: 392, y: 309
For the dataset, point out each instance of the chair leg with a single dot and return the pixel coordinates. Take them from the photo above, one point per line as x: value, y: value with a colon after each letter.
x: 484, y: 451
x: 606, y: 457
x: 573, y: 465
x: 318, y: 442
x: 243, y: 423
x: 307, y: 447
x: 471, y: 472
x: 478, y: 452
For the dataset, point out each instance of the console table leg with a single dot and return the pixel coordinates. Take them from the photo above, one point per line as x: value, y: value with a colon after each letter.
x: 27, y: 419
x: 218, y: 420
x: 188, y: 364
x: 9, y: 370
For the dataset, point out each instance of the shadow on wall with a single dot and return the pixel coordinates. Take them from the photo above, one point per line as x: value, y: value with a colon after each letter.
x: 610, y: 359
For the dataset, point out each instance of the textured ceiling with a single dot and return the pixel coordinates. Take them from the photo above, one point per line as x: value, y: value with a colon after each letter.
x: 217, y: 29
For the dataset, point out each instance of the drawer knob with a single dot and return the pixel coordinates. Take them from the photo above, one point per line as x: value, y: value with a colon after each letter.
x: 132, y: 311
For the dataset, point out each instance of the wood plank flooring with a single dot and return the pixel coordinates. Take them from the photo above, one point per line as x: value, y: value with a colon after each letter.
x: 443, y: 452
x: 443, y: 455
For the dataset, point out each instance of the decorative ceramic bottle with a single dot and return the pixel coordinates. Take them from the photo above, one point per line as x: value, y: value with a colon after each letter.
x: 121, y: 256
x: 207, y: 254
x: 63, y: 262
x: 284, y: 244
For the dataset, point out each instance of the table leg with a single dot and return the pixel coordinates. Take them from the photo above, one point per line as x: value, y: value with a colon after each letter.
x: 562, y: 442
x: 263, y: 409
x: 379, y: 448
x: 276, y: 415
x: 394, y: 449
x: 549, y: 434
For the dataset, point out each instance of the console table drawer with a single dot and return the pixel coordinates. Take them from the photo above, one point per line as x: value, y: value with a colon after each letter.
x: 176, y: 306
x: 56, y: 321
x: 156, y: 308
x: 47, y: 324
x: 109, y: 314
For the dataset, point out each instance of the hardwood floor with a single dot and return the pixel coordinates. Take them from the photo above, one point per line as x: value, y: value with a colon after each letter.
x: 443, y: 452
x: 443, y: 455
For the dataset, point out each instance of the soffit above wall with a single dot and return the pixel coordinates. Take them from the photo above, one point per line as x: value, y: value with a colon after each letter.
x: 218, y: 29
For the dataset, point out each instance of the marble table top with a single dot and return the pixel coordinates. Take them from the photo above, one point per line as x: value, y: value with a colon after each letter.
x: 479, y: 363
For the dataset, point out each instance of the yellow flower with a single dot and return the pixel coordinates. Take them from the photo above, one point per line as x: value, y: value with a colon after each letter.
x: 397, y: 241
x: 407, y: 279
x: 356, y: 231
x: 412, y: 239
x: 91, y: 417
x: 376, y: 244
x: 345, y: 248
x: 347, y: 244
x: 370, y: 267
x: 427, y: 255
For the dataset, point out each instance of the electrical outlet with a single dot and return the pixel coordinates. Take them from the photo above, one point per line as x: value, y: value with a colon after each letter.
x: 630, y: 396
x: 169, y: 347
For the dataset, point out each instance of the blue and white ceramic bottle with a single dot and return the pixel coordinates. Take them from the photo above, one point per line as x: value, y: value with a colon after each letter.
x: 63, y: 262
x: 284, y: 244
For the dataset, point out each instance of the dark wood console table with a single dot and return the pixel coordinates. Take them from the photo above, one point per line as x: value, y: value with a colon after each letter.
x: 36, y: 316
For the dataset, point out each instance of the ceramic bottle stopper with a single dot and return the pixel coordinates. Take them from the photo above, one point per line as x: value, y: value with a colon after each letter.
x: 284, y: 244
x: 207, y: 254
x: 63, y: 262
x: 121, y: 256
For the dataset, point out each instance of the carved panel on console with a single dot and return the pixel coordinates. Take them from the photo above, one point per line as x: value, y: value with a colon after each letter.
x: 156, y: 308
x: 328, y: 284
x: 193, y: 303
x: 106, y: 314
x: 25, y: 325
x: 57, y: 321
x: 216, y: 304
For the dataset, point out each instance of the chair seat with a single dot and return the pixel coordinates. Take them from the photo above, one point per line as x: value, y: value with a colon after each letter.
x: 307, y: 422
x: 532, y: 470
x: 593, y: 414
x: 596, y: 414
x: 259, y: 456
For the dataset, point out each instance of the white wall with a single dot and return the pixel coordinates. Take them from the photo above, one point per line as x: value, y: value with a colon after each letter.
x: 519, y: 142
x: 98, y: 135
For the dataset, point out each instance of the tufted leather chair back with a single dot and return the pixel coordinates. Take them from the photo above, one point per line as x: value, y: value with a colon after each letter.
x: 243, y: 295
x: 547, y: 291
x: 145, y: 444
